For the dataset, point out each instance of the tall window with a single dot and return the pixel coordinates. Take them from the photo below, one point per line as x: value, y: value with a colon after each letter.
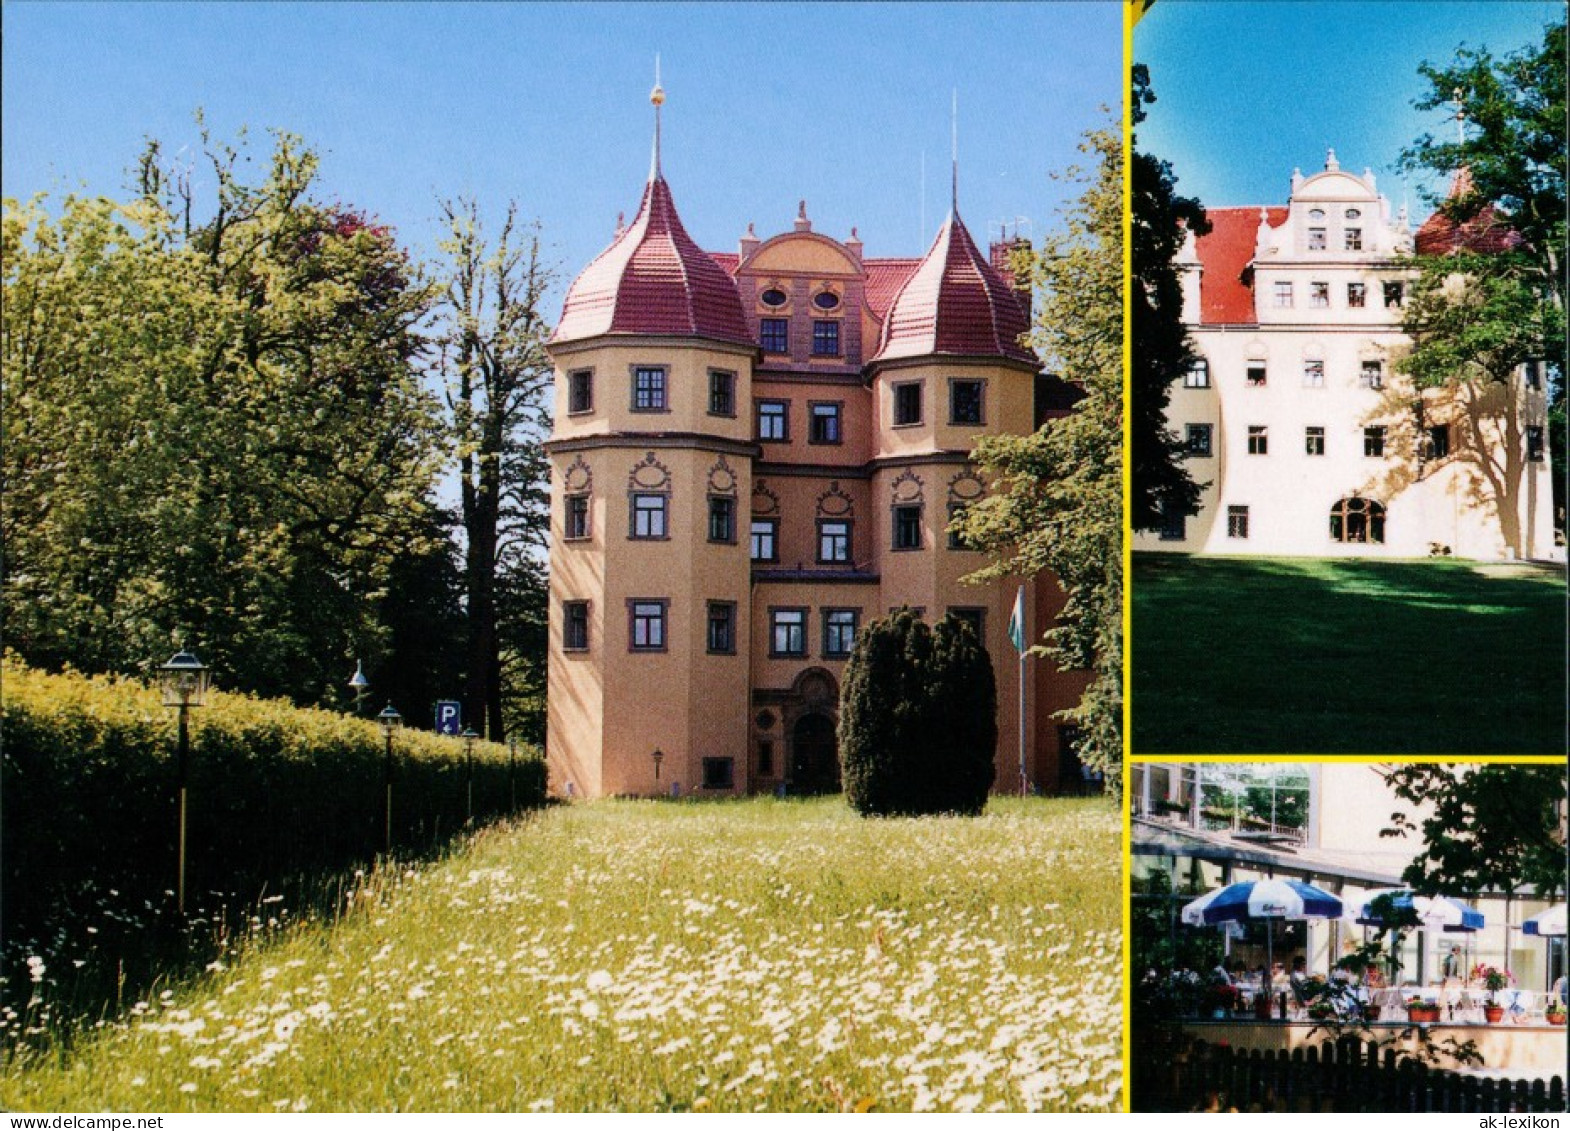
x: 1283, y: 293
x: 773, y: 420
x: 648, y: 388
x: 774, y: 335
x: 1237, y: 522
x: 1314, y: 373
x: 907, y: 403
x: 1314, y: 440
x: 722, y: 393
x: 1436, y: 442
x: 1319, y: 295
x: 647, y: 628
x: 834, y: 540
x: 1354, y: 239
x: 1196, y: 439
x: 1316, y: 239
x: 1372, y: 374
x: 907, y: 527
x: 825, y: 337
x: 765, y: 539
x: 722, y: 627
x: 839, y: 632
x: 965, y: 399
x: 1357, y: 520
x: 1255, y: 375
x: 823, y: 422
x: 648, y: 515
x: 1198, y: 375
x: 580, y: 391
x: 1374, y: 440
x: 1534, y: 443
x: 722, y: 519
x: 1395, y: 294
x: 957, y: 541
x: 1534, y: 374
x: 787, y: 632
x: 1174, y: 523
x: 1356, y: 295
x: 575, y: 626
x: 577, y: 519
x: 972, y: 618
x: 1258, y: 440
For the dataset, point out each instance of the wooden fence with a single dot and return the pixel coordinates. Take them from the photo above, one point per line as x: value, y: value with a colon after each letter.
x: 1336, y: 1076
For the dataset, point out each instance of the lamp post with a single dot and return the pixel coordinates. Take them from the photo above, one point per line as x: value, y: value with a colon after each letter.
x: 389, y: 720
x: 659, y: 756
x: 468, y: 737
x: 184, y: 683
x: 359, y: 685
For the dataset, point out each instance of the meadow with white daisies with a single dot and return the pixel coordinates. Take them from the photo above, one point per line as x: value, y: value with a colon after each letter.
x: 758, y: 955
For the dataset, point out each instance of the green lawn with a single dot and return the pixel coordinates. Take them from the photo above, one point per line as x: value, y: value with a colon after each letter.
x: 752, y: 955
x: 1309, y: 656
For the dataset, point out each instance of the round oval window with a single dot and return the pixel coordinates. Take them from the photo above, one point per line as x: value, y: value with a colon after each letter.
x: 773, y: 297
x: 825, y: 300
x: 1353, y: 214
x: 1317, y: 214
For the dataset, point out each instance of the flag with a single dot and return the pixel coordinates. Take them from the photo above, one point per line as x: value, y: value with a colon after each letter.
x: 1017, y: 622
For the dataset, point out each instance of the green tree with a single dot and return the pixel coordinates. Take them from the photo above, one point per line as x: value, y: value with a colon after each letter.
x: 493, y: 363
x: 918, y: 719
x: 215, y: 430
x: 1055, y: 501
x: 1162, y: 352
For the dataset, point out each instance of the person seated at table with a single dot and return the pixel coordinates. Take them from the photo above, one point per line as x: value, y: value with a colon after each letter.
x: 1299, y: 972
x: 1221, y: 976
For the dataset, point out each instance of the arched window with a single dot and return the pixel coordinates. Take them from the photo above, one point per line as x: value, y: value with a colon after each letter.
x: 1357, y: 520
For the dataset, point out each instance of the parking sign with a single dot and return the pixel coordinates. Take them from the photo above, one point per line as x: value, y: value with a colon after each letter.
x: 449, y: 716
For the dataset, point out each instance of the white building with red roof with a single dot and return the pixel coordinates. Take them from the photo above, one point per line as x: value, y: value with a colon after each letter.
x: 1307, y: 440
x: 754, y: 453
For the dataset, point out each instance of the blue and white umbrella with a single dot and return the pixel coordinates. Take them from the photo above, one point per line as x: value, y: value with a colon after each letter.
x: 1435, y: 912
x: 1269, y: 900
x: 1548, y: 924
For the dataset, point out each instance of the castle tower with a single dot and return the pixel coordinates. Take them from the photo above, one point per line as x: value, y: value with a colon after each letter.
x: 651, y: 472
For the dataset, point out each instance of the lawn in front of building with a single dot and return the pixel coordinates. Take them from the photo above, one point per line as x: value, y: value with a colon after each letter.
x: 1347, y: 655
x: 750, y: 955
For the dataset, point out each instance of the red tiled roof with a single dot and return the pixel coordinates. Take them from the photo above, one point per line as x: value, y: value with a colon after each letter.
x: 653, y: 279
x: 1486, y: 233
x: 1224, y: 253
x: 728, y: 261
x: 955, y: 302
x: 885, y: 277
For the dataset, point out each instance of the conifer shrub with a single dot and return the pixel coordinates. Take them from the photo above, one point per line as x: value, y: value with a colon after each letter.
x: 918, y: 719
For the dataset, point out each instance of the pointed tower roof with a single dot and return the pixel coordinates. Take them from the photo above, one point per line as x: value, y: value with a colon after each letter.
x: 955, y: 302
x: 1486, y: 232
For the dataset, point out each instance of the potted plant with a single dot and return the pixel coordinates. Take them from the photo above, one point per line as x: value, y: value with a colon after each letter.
x: 1419, y: 1011
x: 1321, y: 1009
x: 1493, y: 980
x: 1556, y: 1013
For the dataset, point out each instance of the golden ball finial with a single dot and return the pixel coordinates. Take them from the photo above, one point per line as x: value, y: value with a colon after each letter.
x: 657, y: 95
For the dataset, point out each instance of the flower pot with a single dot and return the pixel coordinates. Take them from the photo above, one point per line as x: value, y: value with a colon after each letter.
x: 1371, y: 1013
x: 1556, y: 1018
x: 1494, y: 1013
x: 1422, y: 1014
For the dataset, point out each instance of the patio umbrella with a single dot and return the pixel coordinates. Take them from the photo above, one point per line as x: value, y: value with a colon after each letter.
x: 1548, y: 924
x: 1433, y: 911
x: 1269, y: 900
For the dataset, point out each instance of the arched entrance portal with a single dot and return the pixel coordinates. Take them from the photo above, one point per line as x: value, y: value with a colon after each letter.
x: 814, y: 755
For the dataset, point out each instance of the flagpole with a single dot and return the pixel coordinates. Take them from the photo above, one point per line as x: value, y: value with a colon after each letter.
x: 1017, y: 635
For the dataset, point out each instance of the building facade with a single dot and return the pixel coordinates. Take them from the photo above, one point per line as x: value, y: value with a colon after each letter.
x: 1306, y: 439
x: 754, y: 454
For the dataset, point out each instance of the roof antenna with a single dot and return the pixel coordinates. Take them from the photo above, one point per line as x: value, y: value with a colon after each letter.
x: 954, y: 178
x: 656, y: 96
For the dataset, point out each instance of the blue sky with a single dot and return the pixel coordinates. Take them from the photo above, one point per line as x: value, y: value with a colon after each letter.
x: 549, y: 104
x: 1246, y: 91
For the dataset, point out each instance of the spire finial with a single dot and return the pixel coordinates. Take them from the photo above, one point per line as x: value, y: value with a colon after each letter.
x: 657, y: 97
x: 954, y: 143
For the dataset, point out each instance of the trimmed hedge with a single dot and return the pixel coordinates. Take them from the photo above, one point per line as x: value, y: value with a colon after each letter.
x: 89, y: 791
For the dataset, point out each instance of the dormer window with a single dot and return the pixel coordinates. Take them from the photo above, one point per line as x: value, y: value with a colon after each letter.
x: 826, y: 300
x: 1316, y: 239
x: 774, y: 297
x: 1354, y: 239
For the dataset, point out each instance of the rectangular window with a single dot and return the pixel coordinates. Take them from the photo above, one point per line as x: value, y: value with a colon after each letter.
x: 1237, y: 522
x: 823, y: 422
x: 773, y: 420
x: 765, y: 539
x: 907, y: 403
x: 1283, y: 292
x: 1258, y: 440
x: 825, y: 338
x: 1174, y: 524
x: 965, y: 398
x: 907, y: 527
x: 648, y: 388
x: 1314, y: 373
x: 1534, y: 374
x: 722, y: 519
x: 719, y: 773
x: 1395, y: 295
x: 1255, y: 375
x: 1374, y: 441
x: 839, y: 632
x: 765, y: 759
x: 1534, y: 443
x: 1436, y: 442
x: 973, y: 618
x: 577, y: 520
x: 1356, y: 295
x: 1316, y: 239
x: 1372, y: 375
x: 787, y: 632
x: 647, y: 631
x: 580, y: 391
x: 774, y: 335
x: 722, y: 393
x: 1354, y: 239
x: 1319, y: 295
x: 648, y: 515
x: 1314, y: 440
x: 957, y: 541
x: 575, y: 626
x: 722, y: 628
x: 833, y: 540
x: 1196, y: 439
x: 1198, y: 375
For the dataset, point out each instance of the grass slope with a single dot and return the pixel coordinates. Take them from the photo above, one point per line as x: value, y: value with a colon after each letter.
x: 1318, y: 656
x: 756, y: 955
